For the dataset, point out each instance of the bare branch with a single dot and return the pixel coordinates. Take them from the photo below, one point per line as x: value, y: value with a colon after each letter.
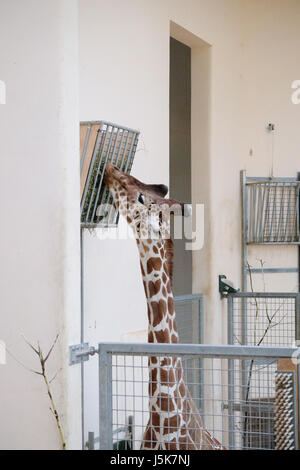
x: 30, y: 345
x: 51, y: 349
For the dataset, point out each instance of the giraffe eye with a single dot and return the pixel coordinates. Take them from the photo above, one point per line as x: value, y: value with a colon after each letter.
x: 141, y: 199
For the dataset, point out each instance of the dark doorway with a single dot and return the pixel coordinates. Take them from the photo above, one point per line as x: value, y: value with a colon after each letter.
x: 180, y: 152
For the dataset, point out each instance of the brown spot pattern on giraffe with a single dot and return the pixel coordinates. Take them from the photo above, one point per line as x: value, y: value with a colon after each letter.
x: 163, y: 336
x: 150, y: 337
x: 165, y: 402
x: 154, y: 287
x: 171, y: 306
x: 167, y: 377
x: 171, y: 424
x: 159, y: 310
x: 153, y: 264
x: 153, y: 382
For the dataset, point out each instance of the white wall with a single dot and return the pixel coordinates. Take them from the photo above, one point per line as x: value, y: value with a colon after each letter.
x: 40, y: 218
x: 124, y: 77
x: 271, y: 44
x: 243, y: 62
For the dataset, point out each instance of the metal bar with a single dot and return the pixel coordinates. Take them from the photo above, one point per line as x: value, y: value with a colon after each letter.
x: 288, y: 213
x: 262, y: 180
x: 120, y: 166
x: 275, y: 243
x: 111, y: 124
x: 90, y: 170
x: 279, y: 225
x: 298, y: 406
x: 82, y: 330
x: 259, y: 211
x: 244, y: 229
x: 230, y: 374
x: 273, y: 212
x: 297, y: 320
x: 87, y: 136
x: 264, y: 294
x: 106, y: 191
x: 183, y: 298
x: 204, y: 350
x: 244, y: 407
x: 102, y: 142
x: 298, y: 178
x: 273, y: 270
x: 230, y: 322
x: 252, y: 212
x: 91, y: 441
x: 294, y: 224
x: 116, y: 161
x: 266, y: 218
x: 297, y: 212
x: 102, y: 176
x: 105, y: 398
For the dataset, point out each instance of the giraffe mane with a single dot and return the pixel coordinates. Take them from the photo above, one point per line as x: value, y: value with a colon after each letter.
x: 169, y: 247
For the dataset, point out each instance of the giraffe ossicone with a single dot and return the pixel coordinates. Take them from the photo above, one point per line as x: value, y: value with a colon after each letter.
x: 174, y: 421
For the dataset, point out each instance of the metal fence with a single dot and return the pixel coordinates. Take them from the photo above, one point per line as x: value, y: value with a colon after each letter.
x: 267, y: 319
x: 240, y: 415
x: 102, y: 142
x: 189, y: 317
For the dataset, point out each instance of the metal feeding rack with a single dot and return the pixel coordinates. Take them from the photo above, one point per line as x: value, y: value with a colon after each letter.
x: 270, y: 217
x: 102, y: 142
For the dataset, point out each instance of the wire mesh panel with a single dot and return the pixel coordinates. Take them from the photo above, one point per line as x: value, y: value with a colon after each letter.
x: 102, y: 142
x: 216, y: 408
x: 268, y: 319
x: 189, y: 317
x: 273, y: 211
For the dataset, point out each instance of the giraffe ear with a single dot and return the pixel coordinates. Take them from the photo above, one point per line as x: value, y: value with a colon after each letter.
x: 160, y: 190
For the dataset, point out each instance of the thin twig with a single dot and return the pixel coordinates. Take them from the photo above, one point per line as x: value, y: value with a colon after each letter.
x: 43, y: 373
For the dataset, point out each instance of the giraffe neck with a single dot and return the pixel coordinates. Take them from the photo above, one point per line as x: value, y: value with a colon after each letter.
x: 157, y: 284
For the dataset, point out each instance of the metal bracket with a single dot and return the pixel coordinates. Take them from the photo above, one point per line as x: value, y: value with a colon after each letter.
x: 80, y: 353
x: 226, y: 286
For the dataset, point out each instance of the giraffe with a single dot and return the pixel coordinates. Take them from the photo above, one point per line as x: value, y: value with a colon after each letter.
x: 174, y: 421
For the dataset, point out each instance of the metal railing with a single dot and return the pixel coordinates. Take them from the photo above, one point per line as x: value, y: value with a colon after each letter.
x: 248, y: 415
x: 270, y: 216
x: 272, y: 206
x: 261, y: 318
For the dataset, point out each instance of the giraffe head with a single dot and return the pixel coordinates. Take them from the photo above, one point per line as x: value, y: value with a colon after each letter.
x: 144, y: 206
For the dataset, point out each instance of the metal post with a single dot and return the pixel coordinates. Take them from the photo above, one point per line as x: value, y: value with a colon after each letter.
x: 91, y: 441
x: 82, y: 332
x: 230, y: 374
x: 298, y: 179
x: 297, y: 319
x: 105, y: 400
x: 244, y: 230
x: 297, y: 393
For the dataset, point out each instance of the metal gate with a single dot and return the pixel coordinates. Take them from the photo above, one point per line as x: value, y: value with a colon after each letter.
x: 261, y: 319
x: 251, y: 415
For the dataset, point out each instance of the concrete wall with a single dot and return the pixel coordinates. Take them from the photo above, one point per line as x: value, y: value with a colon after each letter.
x: 40, y: 219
